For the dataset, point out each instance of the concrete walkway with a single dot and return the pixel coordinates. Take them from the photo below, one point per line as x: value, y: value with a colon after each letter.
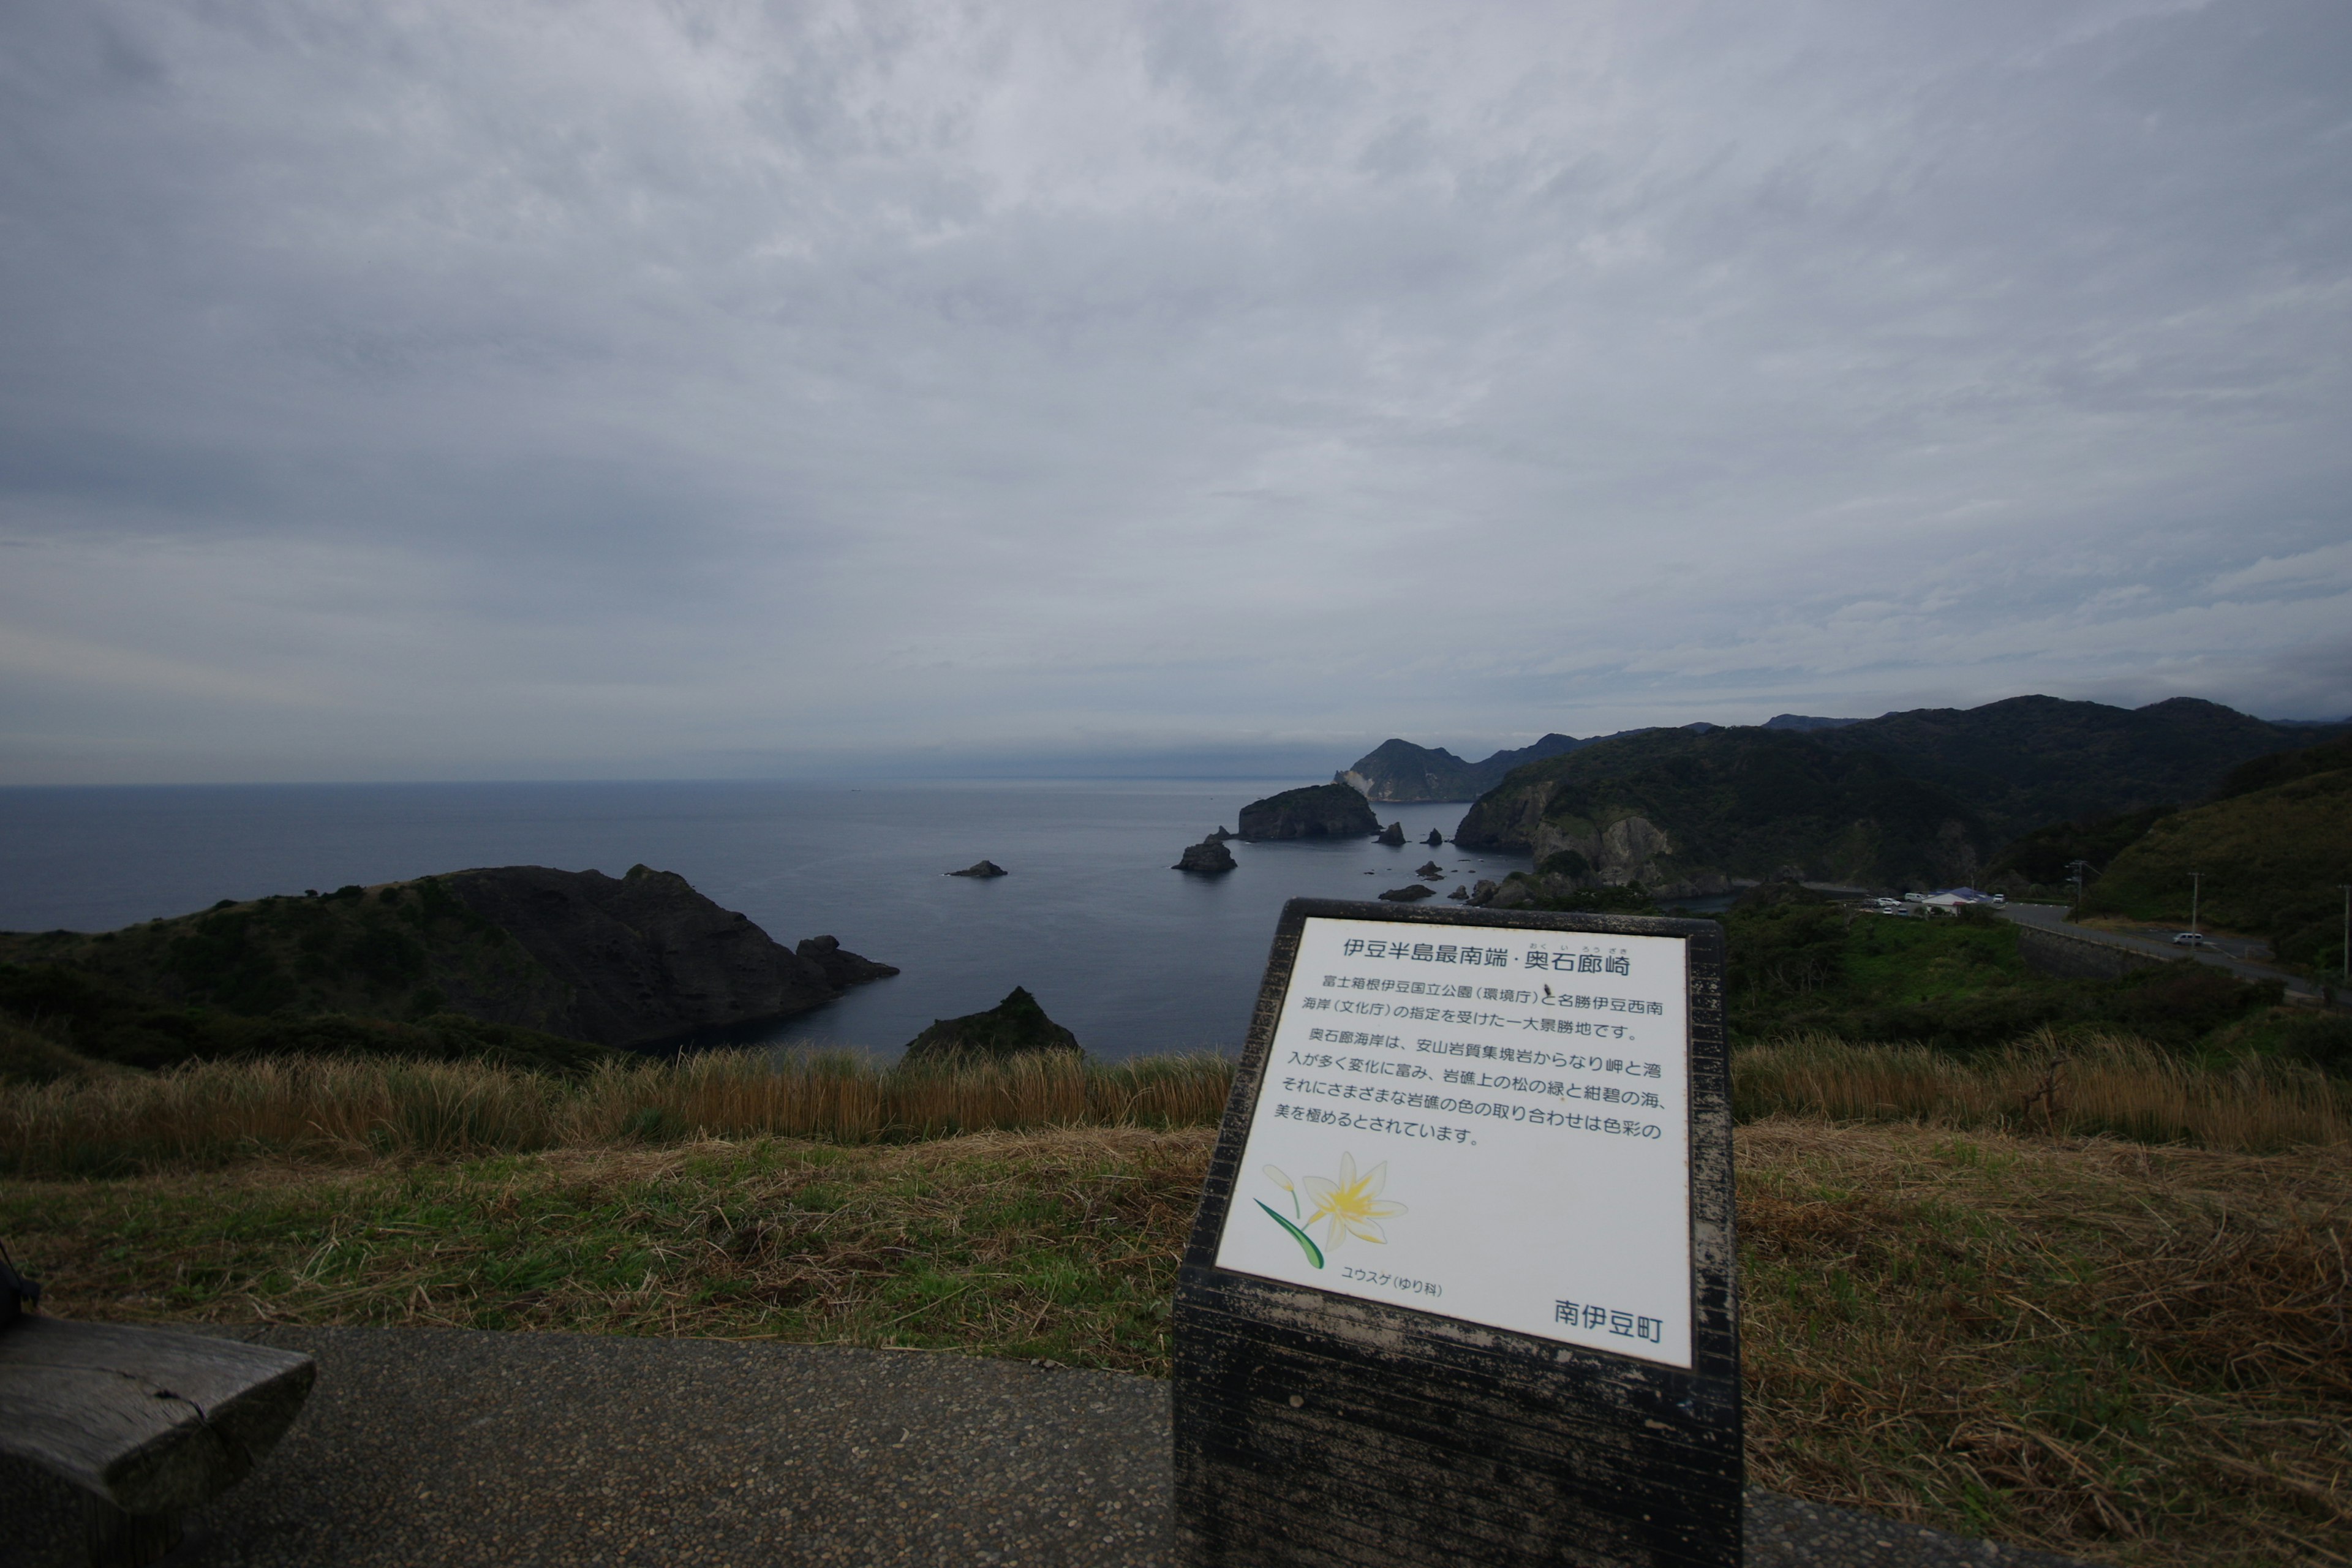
x: 432, y: 1446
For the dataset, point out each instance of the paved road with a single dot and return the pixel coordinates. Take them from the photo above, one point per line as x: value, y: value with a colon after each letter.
x: 2222, y: 954
x: 446, y: 1445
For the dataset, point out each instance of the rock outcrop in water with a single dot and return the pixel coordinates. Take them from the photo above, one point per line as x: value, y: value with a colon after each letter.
x: 1434, y: 838
x: 1208, y: 858
x: 1410, y: 893
x: 1015, y: 1027
x: 1318, y: 811
x: 841, y: 967
x: 981, y: 868
x: 1393, y: 835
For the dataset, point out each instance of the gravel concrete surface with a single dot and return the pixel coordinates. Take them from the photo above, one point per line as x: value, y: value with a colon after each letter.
x: 445, y: 1445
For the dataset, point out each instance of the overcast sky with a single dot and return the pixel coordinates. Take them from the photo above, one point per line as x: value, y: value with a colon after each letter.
x: 474, y: 390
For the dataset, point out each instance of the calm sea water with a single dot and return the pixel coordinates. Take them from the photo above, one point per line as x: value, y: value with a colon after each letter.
x: 1133, y: 956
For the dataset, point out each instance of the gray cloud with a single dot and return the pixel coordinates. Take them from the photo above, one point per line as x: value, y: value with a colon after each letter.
x: 517, y: 391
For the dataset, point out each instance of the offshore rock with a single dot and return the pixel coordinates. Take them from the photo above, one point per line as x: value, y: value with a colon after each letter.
x: 1318, y: 811
x: 1221, y: 834
x: 841, y: 966
x: 1393, y: 835
x: 1408, y: 894
x: 1208, y: 858
x: 1015, y: 1027
x: 1430, y: 868
x: 1434, y: 838
x: 1459, y: 891
x: 981, y: 868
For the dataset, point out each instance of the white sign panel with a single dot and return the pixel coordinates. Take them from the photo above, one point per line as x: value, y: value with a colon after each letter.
x: 1482, y: 1122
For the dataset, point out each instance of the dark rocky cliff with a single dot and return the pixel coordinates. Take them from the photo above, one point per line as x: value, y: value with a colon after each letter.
x: 609, y: 961
x: 644, y: 956
x: 1318, y: 811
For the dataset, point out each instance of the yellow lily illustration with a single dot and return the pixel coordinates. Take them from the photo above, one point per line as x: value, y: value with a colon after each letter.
x: 1352, y: 1203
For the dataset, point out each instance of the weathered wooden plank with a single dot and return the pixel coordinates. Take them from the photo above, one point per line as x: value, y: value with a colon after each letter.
x: 151, y: 1421
x: 1332, y: 1429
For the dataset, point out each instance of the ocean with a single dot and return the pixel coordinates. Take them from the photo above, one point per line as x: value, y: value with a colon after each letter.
x: 1134, y: 957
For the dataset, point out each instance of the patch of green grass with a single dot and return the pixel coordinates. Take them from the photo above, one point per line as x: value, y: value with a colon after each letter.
x: 1058, y: 1245
x: 1962, y: 984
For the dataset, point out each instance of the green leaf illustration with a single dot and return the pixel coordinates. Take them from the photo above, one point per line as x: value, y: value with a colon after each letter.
x: 1314, y: 1253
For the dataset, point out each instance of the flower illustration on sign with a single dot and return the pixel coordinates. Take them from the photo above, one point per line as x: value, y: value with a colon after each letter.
x: 1352, y: 1206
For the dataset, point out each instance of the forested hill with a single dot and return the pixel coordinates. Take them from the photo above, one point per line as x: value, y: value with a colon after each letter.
x: 611, y: 961
x: 2273, y: 861
x: 1673, y: 809
x: 1913, y: 798
x: 2028, y: 761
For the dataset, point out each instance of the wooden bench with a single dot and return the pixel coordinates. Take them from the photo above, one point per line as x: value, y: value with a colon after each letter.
x: 148, y: 1423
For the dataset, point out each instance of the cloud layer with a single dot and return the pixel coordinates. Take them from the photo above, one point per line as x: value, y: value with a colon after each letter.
x: 437, y: 390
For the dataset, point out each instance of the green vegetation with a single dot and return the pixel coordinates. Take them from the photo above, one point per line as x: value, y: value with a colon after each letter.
x: 400, y: 952
x: 2273, y: 861
x: 2032, y: 760
x: 55, y: 1017
x: 2284, y: 767
x: 1803, y: 965
x: 2042, y: 861
x: 1736, y: 803
x: 1057, y: 1245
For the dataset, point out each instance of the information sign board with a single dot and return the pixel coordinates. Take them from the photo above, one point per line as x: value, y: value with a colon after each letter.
x: 1460, y: 1288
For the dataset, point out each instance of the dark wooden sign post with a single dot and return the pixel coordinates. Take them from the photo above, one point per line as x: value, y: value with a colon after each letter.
x: 1461, y: 1287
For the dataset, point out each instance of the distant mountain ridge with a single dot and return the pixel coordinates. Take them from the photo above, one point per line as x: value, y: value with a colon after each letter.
x: 1399, y: 771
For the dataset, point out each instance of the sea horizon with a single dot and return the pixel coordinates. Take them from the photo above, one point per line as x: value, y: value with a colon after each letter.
x: 1134, y: 956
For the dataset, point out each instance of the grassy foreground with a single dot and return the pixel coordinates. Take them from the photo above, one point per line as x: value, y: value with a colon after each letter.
x: 1969, y: 1302
x: 2136, y: 1354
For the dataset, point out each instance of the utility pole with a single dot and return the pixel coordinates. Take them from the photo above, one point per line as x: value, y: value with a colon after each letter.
x: 2078, y: 868
x: 2194, y: 887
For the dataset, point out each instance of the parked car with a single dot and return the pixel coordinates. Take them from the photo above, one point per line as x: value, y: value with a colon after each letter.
x: 2001, y: 897
x: 2189, y: 939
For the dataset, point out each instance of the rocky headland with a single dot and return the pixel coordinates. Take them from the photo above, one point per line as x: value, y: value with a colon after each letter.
x: 1317, y: 811
x: 566, y: 955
